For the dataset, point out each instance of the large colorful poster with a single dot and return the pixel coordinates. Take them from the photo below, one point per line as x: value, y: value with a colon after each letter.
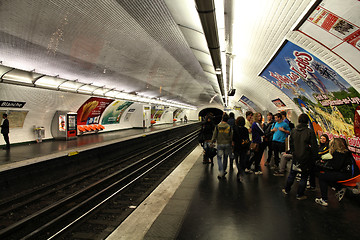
x: 91, y: 111
x: 336, y: 25
x: 249, y: 104
x: 320, y: 92
x: 113, y: 112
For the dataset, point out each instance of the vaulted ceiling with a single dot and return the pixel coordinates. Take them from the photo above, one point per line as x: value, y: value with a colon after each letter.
x: 152, y: 48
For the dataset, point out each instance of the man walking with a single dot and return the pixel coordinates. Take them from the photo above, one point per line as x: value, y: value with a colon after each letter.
x: 223, y: 136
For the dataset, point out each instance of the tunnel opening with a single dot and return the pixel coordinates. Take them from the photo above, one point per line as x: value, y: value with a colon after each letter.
x: 217, y: 113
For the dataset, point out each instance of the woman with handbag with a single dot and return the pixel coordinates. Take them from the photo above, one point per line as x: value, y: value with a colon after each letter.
x: 340, y: 167
x: 241, y: 145
x: 256, y: 145
x: 205, y: 136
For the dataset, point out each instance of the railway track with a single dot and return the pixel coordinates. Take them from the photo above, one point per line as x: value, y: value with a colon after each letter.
x: 91, y: 205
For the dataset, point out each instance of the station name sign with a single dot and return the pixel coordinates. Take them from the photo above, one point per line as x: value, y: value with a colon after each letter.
x: 11, y: 104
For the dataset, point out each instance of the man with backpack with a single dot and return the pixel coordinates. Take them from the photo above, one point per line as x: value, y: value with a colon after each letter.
x: 223, y: 134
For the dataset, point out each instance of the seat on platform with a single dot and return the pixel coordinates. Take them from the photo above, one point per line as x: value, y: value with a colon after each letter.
x: 81, y: 129
x: 93, y: 127
x: 352, y: 181
x: 87, y: 128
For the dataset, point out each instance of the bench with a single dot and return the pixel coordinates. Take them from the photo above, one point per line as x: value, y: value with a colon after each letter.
x: 352, y: 181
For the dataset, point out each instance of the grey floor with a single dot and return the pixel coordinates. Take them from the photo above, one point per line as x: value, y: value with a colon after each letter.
x: 207, y: 208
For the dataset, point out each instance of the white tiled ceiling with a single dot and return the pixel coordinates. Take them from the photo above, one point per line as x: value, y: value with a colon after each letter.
x: 153, y: 47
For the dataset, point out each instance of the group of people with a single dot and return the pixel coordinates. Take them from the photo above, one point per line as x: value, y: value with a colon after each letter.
x: 244, y: 141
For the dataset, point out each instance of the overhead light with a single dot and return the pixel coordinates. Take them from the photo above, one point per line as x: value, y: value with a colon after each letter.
x: 70, y: 86
x: 49, y: 82
x: 87, y: 89
x: 20, y: 77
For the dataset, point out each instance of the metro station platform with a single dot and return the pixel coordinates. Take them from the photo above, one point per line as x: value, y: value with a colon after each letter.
x: 28, y: 153
x: 193, y: 204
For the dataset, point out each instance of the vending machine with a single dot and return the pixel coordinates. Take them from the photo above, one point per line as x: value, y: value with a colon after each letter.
x: 64, y: 125
x: 71, y: 125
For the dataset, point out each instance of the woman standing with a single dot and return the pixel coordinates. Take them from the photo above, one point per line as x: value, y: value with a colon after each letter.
x: 257, y: 139
x: 241, y: 145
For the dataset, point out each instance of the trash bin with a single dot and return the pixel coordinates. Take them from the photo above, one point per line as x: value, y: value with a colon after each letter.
x: 39, y: 133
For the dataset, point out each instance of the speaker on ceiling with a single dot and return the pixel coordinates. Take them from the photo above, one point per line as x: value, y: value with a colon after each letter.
x: 231, y: 92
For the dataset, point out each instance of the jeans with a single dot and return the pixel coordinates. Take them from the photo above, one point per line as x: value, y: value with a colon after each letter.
x: 270, y: 150
x: 206, y: 146
x: 285, y: 157
x: 223, y: 151
x: 330, y: 178
x: 278, y: 148
x: 302, y: 183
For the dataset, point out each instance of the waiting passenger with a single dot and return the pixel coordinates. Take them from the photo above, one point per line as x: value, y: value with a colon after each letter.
x: 231, y: 122
x: 304, y: 148
x: 268, y: 136
x: 323, y: 149
x: 241, y: 143
x: 280, y: 130
x: 223, y: 136
x: 257, y: 140
x: 207, y: 129
x: 341, y: 167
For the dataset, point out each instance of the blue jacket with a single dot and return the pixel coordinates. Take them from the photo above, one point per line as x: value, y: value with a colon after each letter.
x: 257, y: 132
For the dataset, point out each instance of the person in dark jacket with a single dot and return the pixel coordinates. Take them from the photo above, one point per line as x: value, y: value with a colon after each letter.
x: 206, y: 131
x: 304, y: 148
x: 257, y: 137
x: 323, y: 149
x: 341, y: 167
x: 241, y: 143
x: 268, y: 136
x: 5, y: 131
x: 231, y: 122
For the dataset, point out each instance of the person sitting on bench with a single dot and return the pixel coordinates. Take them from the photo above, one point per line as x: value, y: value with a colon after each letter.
x: 341, y: 167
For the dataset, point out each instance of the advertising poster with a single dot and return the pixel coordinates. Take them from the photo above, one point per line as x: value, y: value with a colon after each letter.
x: 157, y: 112
x: 177, y: 113
x: 114, y: 111
x: 278, y: 103
x: 336, y: 25
x: 249, y: 104
x: 16, y: 118
x: 91, y: 111
x: 62, y: 123
x: 318, y: 90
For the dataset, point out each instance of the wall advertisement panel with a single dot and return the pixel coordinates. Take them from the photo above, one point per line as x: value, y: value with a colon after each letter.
x: 249, y: 104
x: 91, y: 111
x: 326, y: 97
x: 114, y: 111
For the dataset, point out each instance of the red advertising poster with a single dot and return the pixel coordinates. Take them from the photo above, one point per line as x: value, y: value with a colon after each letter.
x: 278, y: 103
x: 91, y: 111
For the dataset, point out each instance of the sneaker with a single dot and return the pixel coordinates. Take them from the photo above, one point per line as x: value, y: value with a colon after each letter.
x: 303, y: 197
x: 321, y: 202
x: 279, y: 174
x: 248, y: 170
x: 284, y: 191
x: 340, y: 194
x: 259, y: 173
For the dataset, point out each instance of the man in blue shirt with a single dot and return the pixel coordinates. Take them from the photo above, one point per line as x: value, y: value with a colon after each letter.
x: 281, y: 130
